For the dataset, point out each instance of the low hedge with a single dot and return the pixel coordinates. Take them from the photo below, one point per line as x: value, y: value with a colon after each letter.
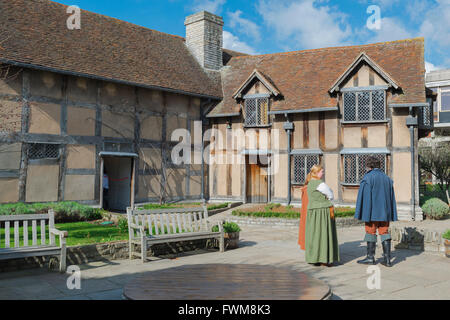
x: 339, y: 212
x: 65, y: 211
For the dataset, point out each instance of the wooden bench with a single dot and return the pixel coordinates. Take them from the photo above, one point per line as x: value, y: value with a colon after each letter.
x: 169, y: 225
x: 45, y: 247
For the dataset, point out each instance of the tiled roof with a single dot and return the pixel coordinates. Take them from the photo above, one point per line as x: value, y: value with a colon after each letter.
x: 305, y: 77
x: 106, y: 48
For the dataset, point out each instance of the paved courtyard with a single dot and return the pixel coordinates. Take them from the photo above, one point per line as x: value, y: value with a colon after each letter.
x: 415, y: 275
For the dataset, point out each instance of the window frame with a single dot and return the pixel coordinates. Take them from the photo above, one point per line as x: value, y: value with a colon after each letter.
x: 43, y: 160
x: 443, y: 89
x: 257, y: 98
x: 358, y: 179
x: 295, y: 154
x: 357, y: 91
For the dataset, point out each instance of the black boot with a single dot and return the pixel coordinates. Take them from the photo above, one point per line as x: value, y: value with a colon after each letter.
x: 386, y: 261
x: 370, y: 259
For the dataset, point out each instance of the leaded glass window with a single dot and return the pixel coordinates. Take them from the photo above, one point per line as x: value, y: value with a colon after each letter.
x: 355, y: 166
x: 364, y: 106
x: 301, y: 165
x: 256, y: 112
x: 39, y: 151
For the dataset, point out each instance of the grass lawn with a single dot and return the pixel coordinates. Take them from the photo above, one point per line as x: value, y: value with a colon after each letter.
x: 273, y: 210
x: 79, y: 233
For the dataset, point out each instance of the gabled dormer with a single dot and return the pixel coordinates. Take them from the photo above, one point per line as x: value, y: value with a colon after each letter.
x: 254, y: 95
x: 363, y: 87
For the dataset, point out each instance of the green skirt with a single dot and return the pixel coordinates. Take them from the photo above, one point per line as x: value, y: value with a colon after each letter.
x: 321, y: 243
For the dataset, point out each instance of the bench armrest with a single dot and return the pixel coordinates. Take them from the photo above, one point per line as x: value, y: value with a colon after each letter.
x: 62, y: 234
x: 220, y: 224
x: 135, y: 226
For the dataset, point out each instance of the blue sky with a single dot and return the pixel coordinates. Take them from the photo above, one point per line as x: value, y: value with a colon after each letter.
x: 268, y: 26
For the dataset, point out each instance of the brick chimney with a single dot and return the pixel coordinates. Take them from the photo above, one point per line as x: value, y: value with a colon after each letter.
x: 204, y: 38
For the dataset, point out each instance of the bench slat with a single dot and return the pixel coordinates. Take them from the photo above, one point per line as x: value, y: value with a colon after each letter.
x: 179, y: 223
x: 25, y: 233
x: 195, y: 222
x: 166, y: 217
x: 34, y: 232
x: 189, y: 219
x: 155, y: 222
x: 205, y: 217
x: 51, y: 225
x: 24, y: 217
x: 7, y: 240
x: 42, y: 232
x: 161, y: 223
x: 16, y: 234
x: 149, y: 222
x: 183, y: 216
x: 174, y: 227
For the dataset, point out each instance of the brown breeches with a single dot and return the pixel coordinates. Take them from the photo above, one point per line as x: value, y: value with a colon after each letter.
x: 382, y: 226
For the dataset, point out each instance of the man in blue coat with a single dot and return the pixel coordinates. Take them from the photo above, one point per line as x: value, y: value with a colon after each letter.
x: 376, y: 206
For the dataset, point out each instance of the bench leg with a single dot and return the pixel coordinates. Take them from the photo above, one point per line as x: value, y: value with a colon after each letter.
x: 222, y: 243
x: 130, y: 249
x: 62, y: 259
x: 143, y: 250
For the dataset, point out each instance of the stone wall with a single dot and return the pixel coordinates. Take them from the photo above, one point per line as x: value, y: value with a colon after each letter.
x: 340, y: 222
x: 118, y: 250
x: 419, y: 239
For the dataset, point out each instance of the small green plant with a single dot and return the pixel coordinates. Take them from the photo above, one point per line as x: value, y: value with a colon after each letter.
x: 447, y: 235
x: 272, y: 206
x: 228, y: 227
x: 122, y: 224
x: 218, y: 206
x: 435, y: 208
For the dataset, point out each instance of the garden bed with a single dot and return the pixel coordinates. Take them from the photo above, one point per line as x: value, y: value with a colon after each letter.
x: 272, y: 210
x: 211, y: 206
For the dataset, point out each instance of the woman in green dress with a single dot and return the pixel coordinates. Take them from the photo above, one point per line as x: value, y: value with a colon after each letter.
x: 321, y: 241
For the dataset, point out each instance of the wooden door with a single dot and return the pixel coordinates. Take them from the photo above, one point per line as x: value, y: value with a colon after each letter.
x: 256, y: 183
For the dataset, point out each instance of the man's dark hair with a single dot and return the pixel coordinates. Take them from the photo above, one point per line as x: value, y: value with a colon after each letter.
x: 373, y: 162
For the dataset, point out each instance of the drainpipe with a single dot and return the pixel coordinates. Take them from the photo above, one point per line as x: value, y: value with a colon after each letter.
x: 204, y: 120
x: 411, y: 122
x: 289, y: 127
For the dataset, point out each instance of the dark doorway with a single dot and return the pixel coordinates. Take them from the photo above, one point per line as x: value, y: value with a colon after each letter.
x: 120, y: 172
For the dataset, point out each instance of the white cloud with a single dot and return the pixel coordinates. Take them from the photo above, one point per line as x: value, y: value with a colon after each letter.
x: 232, y: 42
x: 243, y: 25
x: 430, y: 67
x: 436, y: 24
x: 308, y: 25
x: 390, y: 30
x: 213, y: 6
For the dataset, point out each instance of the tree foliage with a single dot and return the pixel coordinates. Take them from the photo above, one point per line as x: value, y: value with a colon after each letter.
x: 437, y: 163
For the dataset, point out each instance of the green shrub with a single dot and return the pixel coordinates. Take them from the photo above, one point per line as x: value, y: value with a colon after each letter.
x: 435, y: 208
x: 122, y: 224
x: 228, y: 227
x: 447, y: 235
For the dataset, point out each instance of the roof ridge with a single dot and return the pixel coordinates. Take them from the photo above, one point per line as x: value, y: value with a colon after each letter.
x: 118, y: 20
x: 329, y: 48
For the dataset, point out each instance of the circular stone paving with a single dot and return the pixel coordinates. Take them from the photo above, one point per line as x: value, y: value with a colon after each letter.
x: 226, y: 282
